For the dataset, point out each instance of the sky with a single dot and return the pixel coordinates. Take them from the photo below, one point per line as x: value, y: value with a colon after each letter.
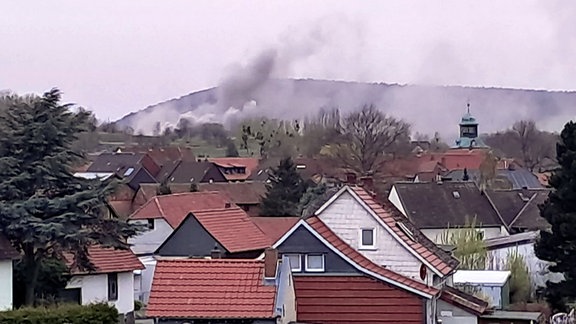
x: 114, y: 57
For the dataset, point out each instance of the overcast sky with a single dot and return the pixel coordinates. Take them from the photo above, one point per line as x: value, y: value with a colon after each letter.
x: 115, y: 56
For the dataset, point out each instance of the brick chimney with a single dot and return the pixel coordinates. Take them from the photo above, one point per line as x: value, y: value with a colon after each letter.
x: 270, y: 262
x: 216, y: 253
x: 351, y: 178
x: 367, y: 182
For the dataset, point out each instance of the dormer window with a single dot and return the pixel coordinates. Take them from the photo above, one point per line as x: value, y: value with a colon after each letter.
x: 367, y: 238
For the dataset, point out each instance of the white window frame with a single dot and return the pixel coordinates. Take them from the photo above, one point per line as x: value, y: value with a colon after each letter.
x: 313, y: 269
x: 360, y: 243
x: 299, y: 269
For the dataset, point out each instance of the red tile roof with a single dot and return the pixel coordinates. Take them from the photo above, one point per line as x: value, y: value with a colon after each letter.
x: 363, y: 261
x: 275, y: 227
x: 107, y: 260
x: 211, y: 289
x: 463, y: 300
x: 251, y: 165
x: 233, y: 228
x: 175, y: 207
x: 435, y: 256
x: 238, y: 192
x: 354, y: 299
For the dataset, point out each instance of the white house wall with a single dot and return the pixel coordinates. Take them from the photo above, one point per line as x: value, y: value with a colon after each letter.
x: 345, y: 217
x: 394, y: 198
x: 450, y: 314
x: 94, y: 288
x: 5, y: 285
x: 143, y: 291
x: 537, y: 268
x: 148, y: 241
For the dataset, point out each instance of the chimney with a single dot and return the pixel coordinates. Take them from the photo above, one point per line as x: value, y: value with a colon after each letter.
x: 351, y: 178
x: 270, y: 262
x: 367, y: 182
x: 216, y: 253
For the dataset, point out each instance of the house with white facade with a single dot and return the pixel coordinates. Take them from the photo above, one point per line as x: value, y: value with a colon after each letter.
x: 441, y: 208
x: 111, y: 281
x: 7, y: 255
x: 387, y: 238
x: 384, y: 236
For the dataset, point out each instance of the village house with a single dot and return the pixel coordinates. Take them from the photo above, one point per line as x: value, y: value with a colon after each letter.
x: 223, y: 291
x: 192, y: 224
x: 132, y: 168
x: 383, y: 235
x: 335, y: 283
x: 7, y: 256
x: 189, y: 172
x: 236, y: 168
x: 111, y: 280
x: 441, y: 208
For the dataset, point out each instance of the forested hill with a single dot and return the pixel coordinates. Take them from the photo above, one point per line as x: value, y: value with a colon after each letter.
x: 427, y: 108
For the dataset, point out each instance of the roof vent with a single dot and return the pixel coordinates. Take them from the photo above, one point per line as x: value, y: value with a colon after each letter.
x: 227, y: 205
x: 456, y: 194
x: 405, y: 229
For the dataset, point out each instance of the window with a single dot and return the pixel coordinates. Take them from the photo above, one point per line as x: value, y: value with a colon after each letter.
x: 367, y: 238
x: 150, y: 223
x: 295, y: 262
x: 112, y: 286
x: 315, y: 262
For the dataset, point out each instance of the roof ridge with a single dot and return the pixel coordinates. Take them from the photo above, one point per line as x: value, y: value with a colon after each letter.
x: 157, y: 201
x: 208, y: 260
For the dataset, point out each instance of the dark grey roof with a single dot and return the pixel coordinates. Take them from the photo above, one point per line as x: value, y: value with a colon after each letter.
x: 434, y: 205
x: 115, y: 162
x: 518, y: 178
x: 510, y: 240
x: 519, y: 208
x: 191, y: 172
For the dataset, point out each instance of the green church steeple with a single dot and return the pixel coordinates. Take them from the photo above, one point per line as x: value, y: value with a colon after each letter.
x: 469, y: 132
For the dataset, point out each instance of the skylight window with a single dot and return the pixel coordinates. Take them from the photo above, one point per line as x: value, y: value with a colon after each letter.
x: 456, y: 194
x: 128, y: 172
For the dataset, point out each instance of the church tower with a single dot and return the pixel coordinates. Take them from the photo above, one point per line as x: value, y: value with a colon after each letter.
x: 469, y: 132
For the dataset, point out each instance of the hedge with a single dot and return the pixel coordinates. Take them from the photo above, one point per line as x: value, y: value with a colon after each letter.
x: 63, y: 314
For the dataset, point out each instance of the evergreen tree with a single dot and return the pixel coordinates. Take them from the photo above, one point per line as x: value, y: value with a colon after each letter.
x: 558, y: 244
x: 285, y: 190
x: 44, y: 210
x: 309, y: 198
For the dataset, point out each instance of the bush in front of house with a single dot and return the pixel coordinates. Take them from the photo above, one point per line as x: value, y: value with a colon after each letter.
x: 69, y: 314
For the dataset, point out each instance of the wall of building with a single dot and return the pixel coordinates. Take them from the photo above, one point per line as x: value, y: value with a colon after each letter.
x: 450, y: 314
x: 285, y: 295
x: 303, y: 242
x: 394, y: 198
x: 148, y: 242
x: 5, y: 285
x: 346, y: 217
x: 95, y: 289
x: 189, y: 239
x: 537, y: 268
x: 143, y: 284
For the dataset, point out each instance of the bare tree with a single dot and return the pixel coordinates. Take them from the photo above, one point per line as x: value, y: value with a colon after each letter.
x: 526, y: 142
x: 534, y: 144
x: 368, y: 136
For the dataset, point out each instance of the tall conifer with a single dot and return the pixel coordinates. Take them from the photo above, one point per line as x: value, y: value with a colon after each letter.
x: 285, y: 190
x: 558, y: 245
x: 44, y: 210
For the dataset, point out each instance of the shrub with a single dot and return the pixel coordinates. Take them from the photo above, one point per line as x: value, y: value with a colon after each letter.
x: 138, y: 305
x: 70, y: 314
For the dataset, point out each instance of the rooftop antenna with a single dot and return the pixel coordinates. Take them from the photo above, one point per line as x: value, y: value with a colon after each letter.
x: 468, y: 107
